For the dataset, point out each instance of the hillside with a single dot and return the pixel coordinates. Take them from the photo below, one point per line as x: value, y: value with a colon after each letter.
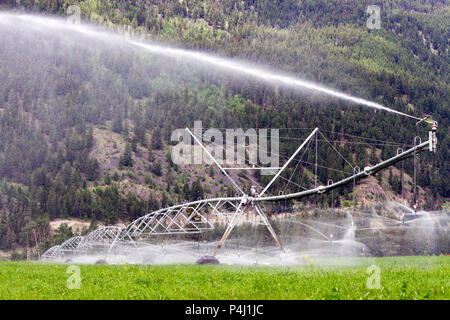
x: 85, y: 124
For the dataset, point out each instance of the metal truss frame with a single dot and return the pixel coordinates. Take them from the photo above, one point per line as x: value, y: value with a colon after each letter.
x: 67, y: 248
x: 198, y: 216
x: 50, y: 253
x: 185, y: 219
x: 102, y: 239
x: 70, y: 246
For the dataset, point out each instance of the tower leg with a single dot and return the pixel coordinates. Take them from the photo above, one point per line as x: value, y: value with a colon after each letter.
x: 237, y: 214
x: 269, y: 226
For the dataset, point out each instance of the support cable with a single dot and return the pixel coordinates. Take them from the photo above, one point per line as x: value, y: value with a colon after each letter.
x: 385, y: 142
x: 298, y: 163
x: 337, y: 150
x: 223, y: 149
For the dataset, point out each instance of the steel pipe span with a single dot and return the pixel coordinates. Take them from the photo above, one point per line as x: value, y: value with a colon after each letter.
x: 358, y: 176
x: 321, y: 189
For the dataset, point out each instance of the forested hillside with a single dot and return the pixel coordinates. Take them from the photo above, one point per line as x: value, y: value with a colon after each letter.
x: 85, y: 125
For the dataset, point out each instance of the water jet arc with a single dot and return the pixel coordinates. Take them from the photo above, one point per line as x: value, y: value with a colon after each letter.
x: 256, y: 72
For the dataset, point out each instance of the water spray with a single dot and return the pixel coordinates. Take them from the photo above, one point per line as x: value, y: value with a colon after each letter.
x: 256, y: 72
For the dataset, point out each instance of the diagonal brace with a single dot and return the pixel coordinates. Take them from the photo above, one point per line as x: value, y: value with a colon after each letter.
x: 215, y: 161
x: 237, y: 214
x: 287, y: 162
x: 269, y: 226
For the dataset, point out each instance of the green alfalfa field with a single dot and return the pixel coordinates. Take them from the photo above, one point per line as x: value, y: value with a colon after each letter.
x: 425, y: 277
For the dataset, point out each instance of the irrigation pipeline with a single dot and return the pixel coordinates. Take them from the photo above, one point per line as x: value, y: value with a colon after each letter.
x: 320, y: 189
x: 360, y: 175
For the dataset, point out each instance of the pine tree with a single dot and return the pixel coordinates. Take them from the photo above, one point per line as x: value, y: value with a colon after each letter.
x: 156, y: 168
x: 186, y: 191
x: 197, y: 192
x: 107, y: 178
x: 126, y: 159
x: 151, y: 155
x: 92, y: 171
x: 139, y: 132
x: 117, y: 125
x: 134, y: 142
x: 156, y: 139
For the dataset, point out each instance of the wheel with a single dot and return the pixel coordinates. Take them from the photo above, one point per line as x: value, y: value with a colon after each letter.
x: 207, y: 260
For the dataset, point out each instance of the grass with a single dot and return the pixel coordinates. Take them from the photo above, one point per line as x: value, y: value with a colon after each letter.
x: 400, y: 278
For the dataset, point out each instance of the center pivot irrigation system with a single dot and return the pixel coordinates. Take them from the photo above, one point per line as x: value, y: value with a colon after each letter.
x: 199, y: 216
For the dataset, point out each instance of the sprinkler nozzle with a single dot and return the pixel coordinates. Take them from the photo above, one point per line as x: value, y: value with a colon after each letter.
x: 431, y: 122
